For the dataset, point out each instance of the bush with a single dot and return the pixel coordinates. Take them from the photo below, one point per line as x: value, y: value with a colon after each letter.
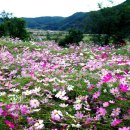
x: 14, y: 27
x: 74, y: 37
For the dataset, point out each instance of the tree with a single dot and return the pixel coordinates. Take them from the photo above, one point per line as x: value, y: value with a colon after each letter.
x: 111, y: 23
x: 5, y: 16
x: 74, y: 37
x: 13, y: 27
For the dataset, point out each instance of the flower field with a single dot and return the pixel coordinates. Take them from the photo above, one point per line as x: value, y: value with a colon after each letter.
x: 44, y: 86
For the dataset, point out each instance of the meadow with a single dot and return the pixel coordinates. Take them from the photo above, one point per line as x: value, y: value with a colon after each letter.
x: 44, y: 86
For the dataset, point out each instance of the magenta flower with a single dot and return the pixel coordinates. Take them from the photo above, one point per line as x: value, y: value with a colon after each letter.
x: 118, y: 76
x: 128, y: 111
x: 5, y: 113
x: 123, y: 88
x: 107, y: 77
x: 104, y: 55
x: 9, y: 124
x: 24, y: 109
x: 115, y: 122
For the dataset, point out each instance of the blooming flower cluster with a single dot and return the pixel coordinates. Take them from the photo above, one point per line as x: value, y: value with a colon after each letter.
x: 44, y: 86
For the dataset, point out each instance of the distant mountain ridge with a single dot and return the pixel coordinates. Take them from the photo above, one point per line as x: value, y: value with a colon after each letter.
x: 78, y: 20
x: 56, y: 22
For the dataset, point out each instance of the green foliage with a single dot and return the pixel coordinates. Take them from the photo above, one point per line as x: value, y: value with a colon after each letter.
x: 13, y: 27
x: 113, y: 22
x: 74, y: 37
x: 48, y: 37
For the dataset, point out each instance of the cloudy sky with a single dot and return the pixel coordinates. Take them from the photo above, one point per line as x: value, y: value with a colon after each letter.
x: 37, y: 8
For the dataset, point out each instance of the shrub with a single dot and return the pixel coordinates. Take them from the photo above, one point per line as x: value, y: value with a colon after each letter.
x: 74, y: 37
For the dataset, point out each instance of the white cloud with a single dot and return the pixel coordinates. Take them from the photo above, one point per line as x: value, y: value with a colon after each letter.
x: 35, y: 8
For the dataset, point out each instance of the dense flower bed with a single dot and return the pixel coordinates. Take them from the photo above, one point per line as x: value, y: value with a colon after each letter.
x: 43, y: 86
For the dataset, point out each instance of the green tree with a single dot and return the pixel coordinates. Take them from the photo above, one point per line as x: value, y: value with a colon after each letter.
x: 74, y: 37
x: 111, y: 23
x: 13, y: 27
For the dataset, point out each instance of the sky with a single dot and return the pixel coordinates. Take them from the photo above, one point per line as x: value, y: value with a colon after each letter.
x: 37, y: 8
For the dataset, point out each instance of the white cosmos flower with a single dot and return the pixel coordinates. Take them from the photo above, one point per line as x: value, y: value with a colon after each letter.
x: 60, y: 94
x: 39, y: 125
x: 70, y: 88
x: 27, y: 92
x: 63, y: 105
x: 2, y: 93
x: 36, y: 90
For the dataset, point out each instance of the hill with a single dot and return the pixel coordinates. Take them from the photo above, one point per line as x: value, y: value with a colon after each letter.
x: 46, y: 23
x: 78, y: 20
x: 57, y: 23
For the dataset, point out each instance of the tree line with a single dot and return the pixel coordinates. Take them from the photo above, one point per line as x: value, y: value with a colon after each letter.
x: 111, y: 24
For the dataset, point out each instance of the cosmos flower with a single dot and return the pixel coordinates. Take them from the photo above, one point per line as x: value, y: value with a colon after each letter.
x: 79, y: 115
x: 1, y: 111
x: 107, y: 78
x: 34, y: 103
x: 96, y: 95
x: 114, y: 91
x: 56, y: 115
x: 9, y: 124
x: 116, y: 122
x: 123, y: 88
x: 78, y: 106
x: 115, y: 112
x: 124, y: 128
x: 105, y: 104
x: 101, y: 111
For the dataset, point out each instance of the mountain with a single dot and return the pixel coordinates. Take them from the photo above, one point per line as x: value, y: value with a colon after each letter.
x: 78, y: 20
x: 57, y: 23
x: 46, y: 23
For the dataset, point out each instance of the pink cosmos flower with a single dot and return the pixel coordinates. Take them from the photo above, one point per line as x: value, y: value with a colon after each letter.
x: 34, y: 103
x: 9, y: 124
x: 116, y: 122
x: 123, y: 88
x: 105, y: 104
x: 1, y: 111
x: 114, y: 91
x: 96, y: 95
x: 56, y: 115
x: 101, y: 111
x: 124, y: 128
x: 79, y: 115
x: 115, y: 112
x: 24, y: 109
